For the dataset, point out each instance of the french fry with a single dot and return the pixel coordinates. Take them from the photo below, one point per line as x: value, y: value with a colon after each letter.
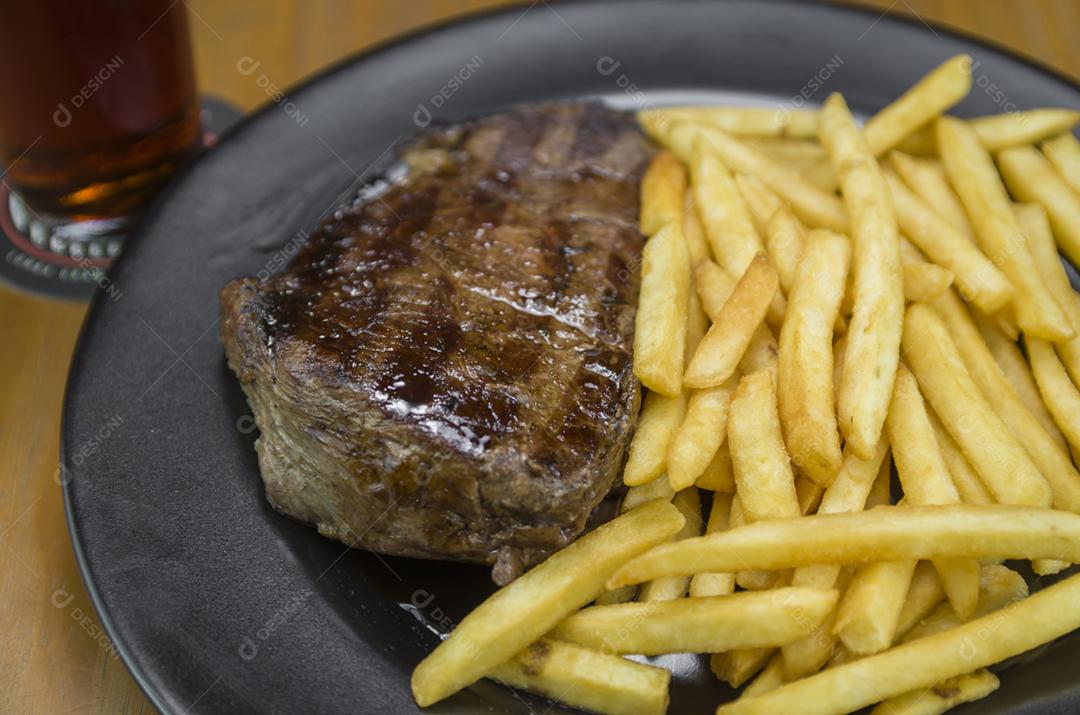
x: 715, y: 584
x: 714, y: 287
x: 924, y: 594
x: 938, y: 90
x: 1018, y: 372
x: 735, y: 667
x: 1046, y: 615
x: 1063, y: 151
x: 967, y: 482
x: 761, y: 354
x: 941, y: 697
x: 1058, y: 391
x: 662, y: 189
x: 702, y: 430
x: 697, y: 324
x: 1037, y: 227
x: 688, y: 503
x: 587, y: 679
x: 920, y: 143
x: 520, y: 613
x: 719, y: 475
x: 971, y: 172
x: 660, y: 328
x: 808, y: 494
x: 750, y: 580
x: 926, y: 178
x: 728, y: 226
x: 763, y: 477
x: 636, y: 496
x: 659, y: 419
x: 743, y: 121
x: 770, y: 677
x: 1002, y: 463
x: 867, y: 615
x: 999, y: 586
x: 977, y: 278
x: 926, y: 481
x: 699, y: 625
x: 1001, y: 131
x: 784, y: 239
x: 1052, y: 460
x: 761, y: 202
x: 799, y: 154
x: 886, y: 533
x: 1030, y: 177
x: 805, y: 370
x: 814, y: 207
x: 694, y: 233
x: 808, y: 655
x: 923, y: 281
x: 723, y: 346
x: 873, y: 346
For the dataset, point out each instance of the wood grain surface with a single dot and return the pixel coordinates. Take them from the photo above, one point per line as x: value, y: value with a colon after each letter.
x: 53, y: 657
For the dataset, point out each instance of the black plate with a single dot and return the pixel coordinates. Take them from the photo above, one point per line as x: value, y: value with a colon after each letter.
x: 217, y: 603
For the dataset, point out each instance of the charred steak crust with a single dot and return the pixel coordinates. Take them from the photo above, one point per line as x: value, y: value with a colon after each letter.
x: 445, y: 371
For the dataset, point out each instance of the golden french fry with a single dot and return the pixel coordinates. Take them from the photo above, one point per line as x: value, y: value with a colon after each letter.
x: 694, y: 233
x: 715, y: 584
x: 784, y: 239
x: 723, y: 346
x: 926, y: 481
x: 770, y: 677
x: 763, y: 477
x: 660, y: 328
x: 1030, y: 177
x: 924, y: 594
x: 743, y: 121
x: 971, y: 172
x: 699, y: 436
x: 923, y: 281
x: 1052, y: 460
x: 1063, y: 151
x: 921, y: 143
x: 728, y: 226
x: 942, y: 697
x: 805, y: 370
x: 799, y: 154
x: 719, y: 475
x: 867, y: 615
x: 749, y: 580
x: 587, y: 679
x: 926, y: 178
x: 761, y: 354
x: 1034, y: 221
x: 999, y: 586
x: 1017, y: 371
x: 1058, y: 391
x: 815, y: 207
x: 885, y: 533
x: 697, y: 324
x: 713, y: 286
x: 808, y: 494
x: 1001, y: 131
x: 662, y: 189
x: 699, y: 625
x: 990, y: 447
x: 967, y: 481
x: 761, y: 202
x: 977, y: 278
x: 938, y: 90
x: 660, y: 418
x: 1029, y: 623
x: 873, y: 345
x: 809, y: 654
x: 666, y: 589
x: 520, y: 613
x: 735, y: 667
x: 636, y: 496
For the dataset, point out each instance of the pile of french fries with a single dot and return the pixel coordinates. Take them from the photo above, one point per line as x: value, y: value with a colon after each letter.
x: 822, y: 303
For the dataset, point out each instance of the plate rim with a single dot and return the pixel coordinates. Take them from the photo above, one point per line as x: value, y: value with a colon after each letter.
x: 131, y: 663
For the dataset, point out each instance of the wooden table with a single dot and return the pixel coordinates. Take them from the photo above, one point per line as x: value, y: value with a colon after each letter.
x: 51, y: 657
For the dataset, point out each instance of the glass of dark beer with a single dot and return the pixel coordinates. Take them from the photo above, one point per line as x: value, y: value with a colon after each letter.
x: 97, y: 111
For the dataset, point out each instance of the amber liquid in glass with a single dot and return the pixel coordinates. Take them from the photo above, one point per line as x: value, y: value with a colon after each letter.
x: 97, y: 103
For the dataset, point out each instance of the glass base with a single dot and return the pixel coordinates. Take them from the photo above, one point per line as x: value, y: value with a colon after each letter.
x: 96, y: 238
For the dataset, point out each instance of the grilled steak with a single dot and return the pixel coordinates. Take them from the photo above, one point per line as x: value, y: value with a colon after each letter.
x: 444, y: 371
